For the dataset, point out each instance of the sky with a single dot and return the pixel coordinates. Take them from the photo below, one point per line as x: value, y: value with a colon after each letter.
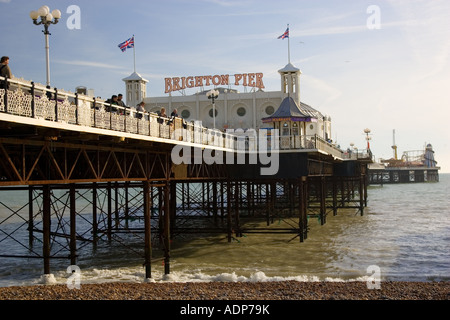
x: 382, y: 65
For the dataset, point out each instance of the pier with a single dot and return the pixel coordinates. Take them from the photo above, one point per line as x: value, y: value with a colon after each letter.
x: 93, y: 175
x: 414, y: 167
x: 403, y: 175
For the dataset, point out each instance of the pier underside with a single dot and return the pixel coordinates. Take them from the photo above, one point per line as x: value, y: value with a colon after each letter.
x: 64, y: 192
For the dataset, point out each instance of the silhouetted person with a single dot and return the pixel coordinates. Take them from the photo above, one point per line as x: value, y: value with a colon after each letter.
x: 5, y: 72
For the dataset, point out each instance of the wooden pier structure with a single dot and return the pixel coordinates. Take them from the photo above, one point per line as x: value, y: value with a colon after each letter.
x: 92, y: 175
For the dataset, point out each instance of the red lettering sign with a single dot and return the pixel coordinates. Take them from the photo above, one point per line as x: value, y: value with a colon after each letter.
x: 245, y: 79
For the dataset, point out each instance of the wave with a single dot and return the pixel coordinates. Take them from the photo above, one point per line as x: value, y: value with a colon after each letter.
x: 96, y: 276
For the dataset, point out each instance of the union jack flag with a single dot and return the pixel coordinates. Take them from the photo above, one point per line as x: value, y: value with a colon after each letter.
x: 285, y: 34
x: 127, y: 44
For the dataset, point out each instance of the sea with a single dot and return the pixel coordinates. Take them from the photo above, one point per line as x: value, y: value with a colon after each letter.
x: 403, y: 235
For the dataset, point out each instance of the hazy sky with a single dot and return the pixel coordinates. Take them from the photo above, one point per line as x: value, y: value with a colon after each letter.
x: 382, y: 65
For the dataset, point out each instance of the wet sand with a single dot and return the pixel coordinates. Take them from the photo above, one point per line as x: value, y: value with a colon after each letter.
x: 286, y: 290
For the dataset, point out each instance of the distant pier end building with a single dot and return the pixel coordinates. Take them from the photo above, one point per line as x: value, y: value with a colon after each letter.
x: 414, y: 166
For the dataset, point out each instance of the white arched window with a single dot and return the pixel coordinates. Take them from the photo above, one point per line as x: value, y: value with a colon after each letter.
x: 295, y: 129
x: 285, y: 131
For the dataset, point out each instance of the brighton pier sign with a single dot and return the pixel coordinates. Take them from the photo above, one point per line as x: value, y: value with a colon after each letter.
x: 246, y: 79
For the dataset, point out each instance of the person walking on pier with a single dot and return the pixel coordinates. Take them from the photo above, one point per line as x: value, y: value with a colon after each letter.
x: 139, y: 109
x: 173, y: 115
x: 112, y: 102
x: 120, y: 103
x: 162, y: 114
x: 5, y: 72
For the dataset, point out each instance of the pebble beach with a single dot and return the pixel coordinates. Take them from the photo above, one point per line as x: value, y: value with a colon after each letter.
x: 283, y: 290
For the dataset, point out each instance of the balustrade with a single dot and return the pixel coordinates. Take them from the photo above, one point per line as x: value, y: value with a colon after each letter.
x: 27, y: 99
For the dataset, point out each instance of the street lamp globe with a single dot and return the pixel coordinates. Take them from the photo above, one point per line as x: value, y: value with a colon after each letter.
x: 213, y: 94
x: 47, y: 18
x: 43, y: 11
x: 56, y: 14
x: 34, y: 15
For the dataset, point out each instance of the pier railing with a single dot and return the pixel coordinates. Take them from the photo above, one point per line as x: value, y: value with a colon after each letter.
x: 309, y: 142
x: 27, y: 99
x: 357, y: 154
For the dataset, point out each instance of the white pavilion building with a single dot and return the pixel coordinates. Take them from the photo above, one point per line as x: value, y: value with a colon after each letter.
x: 237, y: 110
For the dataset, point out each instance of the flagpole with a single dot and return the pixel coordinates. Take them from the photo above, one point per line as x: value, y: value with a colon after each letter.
x: 289, y: 45
x: 134, y: 53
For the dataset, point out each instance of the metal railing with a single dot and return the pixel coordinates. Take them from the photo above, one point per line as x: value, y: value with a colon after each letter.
x: 309, y: 142
x: 27, y: 99
x: 357, y: 154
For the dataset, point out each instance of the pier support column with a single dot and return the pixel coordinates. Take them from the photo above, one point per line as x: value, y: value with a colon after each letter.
x: 365, y: 181
x: 127, y: 208
x: 109, y: 211
x: 302, y: 198
x: 147, y: 226
x: 272, y: 200
x: 334, y: 196
x: 167, y: 228
x: 94, y: 215
x: 46, y: 207
x: 173, y: 205
x: 116, y: 206
x: 222, y: 198
x: 322, y: 191
x: 291, y: 198
x: 30, y: 216
x: 214, y: 204
x: 73, y: 229
x: 237, y: 200
x: 229, y: 207
x: 361, y: 195
x: 250, y: 199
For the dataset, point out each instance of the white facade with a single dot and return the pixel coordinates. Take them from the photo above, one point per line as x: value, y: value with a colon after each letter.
x: 235, y: 110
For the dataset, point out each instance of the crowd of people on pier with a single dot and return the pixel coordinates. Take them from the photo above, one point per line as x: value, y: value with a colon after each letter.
x: 117, y: 100
x: 117, y: 105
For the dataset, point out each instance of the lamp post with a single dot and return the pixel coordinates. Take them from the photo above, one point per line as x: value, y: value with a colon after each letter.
x: 368, y: 138
x: 47, y: 19
x: 213, y: 94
